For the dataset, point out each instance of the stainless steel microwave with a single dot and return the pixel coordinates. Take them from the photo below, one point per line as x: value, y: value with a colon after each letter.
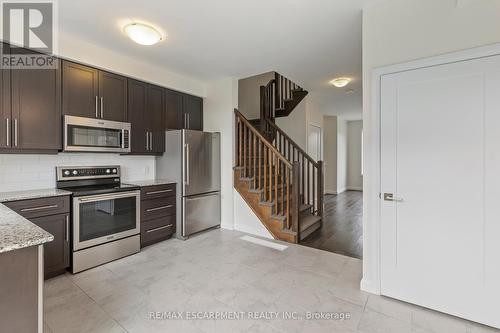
x: 96, y: 135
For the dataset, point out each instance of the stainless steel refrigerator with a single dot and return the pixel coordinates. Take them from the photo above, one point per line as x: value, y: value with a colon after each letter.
x: 192, y: 159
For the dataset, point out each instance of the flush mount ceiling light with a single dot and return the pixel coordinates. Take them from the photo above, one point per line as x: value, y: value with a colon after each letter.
x: 340, y: 82
x: 142, y: 33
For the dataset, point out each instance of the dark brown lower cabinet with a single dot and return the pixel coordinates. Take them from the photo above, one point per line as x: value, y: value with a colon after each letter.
x: 53, y: 215
x: 56, y: 253
x: 158, y: 213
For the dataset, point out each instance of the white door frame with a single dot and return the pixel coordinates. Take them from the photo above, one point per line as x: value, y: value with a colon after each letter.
x: 371, y: 180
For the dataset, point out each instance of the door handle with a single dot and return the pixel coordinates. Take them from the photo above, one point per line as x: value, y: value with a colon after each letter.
x: 147, y: 140
x: 390, y: 197
x: 7, y: 121
x: 38, y: 208
x: 16, y: 130
x: 187, y: 163
x: 97, y: 107
x: 150, y: 140
x: 102, y: 107
x: 159, y: 208
x: 160, y: 228
x: 185, y: 121
x: 67, y: 228
x: 189, y: 121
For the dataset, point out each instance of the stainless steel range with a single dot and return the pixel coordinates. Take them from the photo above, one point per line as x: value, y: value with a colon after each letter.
x: 105, y: 216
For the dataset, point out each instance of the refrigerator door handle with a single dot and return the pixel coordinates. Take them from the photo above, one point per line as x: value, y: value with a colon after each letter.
x: 186, y: 181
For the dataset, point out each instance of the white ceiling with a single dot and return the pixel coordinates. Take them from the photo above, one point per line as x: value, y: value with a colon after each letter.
x: 310, y: 41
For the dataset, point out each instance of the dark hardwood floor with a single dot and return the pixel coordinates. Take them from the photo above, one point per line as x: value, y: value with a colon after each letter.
x: 342, y: 229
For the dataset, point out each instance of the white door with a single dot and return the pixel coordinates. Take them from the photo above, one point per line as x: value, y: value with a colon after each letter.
x: 440, y: 155
x: 314, y: 142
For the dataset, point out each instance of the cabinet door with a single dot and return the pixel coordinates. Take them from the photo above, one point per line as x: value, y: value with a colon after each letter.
x: 36, y: 109
x: 5, y: 110
x: 80, y: 90
x: 174, y: 112
x: 193, y: 108
x: 156, y: 107
x: 137, y: 104
x: 56, y: 253
x: 112, y: 96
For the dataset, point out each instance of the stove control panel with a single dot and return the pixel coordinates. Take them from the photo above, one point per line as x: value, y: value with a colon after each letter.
x: 66, y: 173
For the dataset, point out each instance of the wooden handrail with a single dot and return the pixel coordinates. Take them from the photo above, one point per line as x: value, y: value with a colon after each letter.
x: 296, y: 146
x: 262, y: 138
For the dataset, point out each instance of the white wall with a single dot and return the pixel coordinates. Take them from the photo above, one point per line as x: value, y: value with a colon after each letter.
x: 245, y: 219
x: 341, y: 155
x: 354, y: 177
x: 295, y: 125
x: 397, y: 31
x: 77, y: 50
x: 218, y: 116
x: 330, y: 153
x: 249, y: 94
x: 26, y: 172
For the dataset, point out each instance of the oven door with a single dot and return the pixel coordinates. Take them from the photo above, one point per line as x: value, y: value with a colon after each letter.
x: 95, y: 135
x: 104, y: 218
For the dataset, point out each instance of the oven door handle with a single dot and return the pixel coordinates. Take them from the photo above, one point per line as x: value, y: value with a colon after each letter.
x: 109, y: 197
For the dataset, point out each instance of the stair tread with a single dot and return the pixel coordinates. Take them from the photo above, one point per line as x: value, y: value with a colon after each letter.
x: 304, y: 207
x: 308, y: 221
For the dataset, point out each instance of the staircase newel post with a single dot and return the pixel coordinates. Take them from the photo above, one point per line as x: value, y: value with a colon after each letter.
x: 262, y: 109
x: 320, y: 189
x: 295, y: 198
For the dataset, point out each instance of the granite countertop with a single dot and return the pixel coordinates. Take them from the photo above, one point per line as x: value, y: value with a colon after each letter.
x: 31, y: 194
x: 16, y: 232
x: 151, y: 182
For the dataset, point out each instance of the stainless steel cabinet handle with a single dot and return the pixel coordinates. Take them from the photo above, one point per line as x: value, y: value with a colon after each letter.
x: 102, y: 107
x: 67, y: 228
x: 109, y: 197
x: 38, y: 208
x: 97, y: 107
x: 189, y: 121
x: 157, y: 192
x: 7, y: 130
x: 16, y: 130
x: 160, y: 228
x: 150, y: 140
x: 147, y: 140
x: 159, y: 208
x: 390, y: 197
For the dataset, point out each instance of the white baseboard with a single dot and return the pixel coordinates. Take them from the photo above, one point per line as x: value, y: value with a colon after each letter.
x: 330, y: 192
x: 342, y: 190
x: 367, y: 285
x: 355, y: 188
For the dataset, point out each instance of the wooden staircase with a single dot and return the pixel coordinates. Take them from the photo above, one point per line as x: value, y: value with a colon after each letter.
x: 280, y: 182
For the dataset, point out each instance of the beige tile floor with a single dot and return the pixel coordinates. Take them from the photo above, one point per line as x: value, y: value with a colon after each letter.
x: 217, y: 271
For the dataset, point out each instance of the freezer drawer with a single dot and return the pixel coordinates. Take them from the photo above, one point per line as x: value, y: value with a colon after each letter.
x: 200, y: 212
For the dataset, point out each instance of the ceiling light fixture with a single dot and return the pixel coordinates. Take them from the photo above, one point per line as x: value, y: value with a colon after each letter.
x: 142, y: 33
x: 340, y: 82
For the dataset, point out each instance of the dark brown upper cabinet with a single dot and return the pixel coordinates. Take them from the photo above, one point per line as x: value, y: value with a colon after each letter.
x: 183, y: 111
x: 113, y: 96
x: 5, y: 109
x: 146, y: 103
x: 193, y: 113
x: 174, y: 110
x: 154, y: 113
x: 137, y: 104
x: 31, y: 109
x: 92, y: 93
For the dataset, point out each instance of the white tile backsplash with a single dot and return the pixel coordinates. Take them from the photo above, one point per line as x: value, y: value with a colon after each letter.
x: 25, y: 172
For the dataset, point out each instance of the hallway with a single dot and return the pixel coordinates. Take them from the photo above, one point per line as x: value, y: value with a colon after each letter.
x: 342, y: 229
